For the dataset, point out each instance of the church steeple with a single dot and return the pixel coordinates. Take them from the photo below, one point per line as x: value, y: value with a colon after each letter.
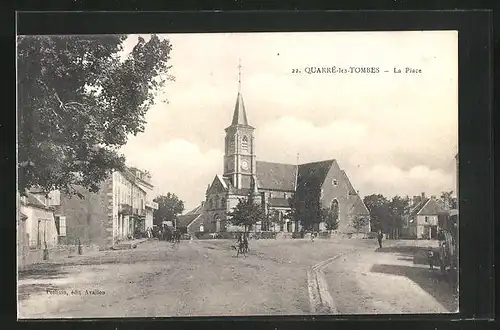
x: 240, y: 114
x: 239, y: 157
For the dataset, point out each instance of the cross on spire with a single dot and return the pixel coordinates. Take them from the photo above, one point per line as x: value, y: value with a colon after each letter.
x: 239, y: 75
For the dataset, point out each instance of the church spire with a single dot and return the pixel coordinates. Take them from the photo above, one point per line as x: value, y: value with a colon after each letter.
x: 240, y: 115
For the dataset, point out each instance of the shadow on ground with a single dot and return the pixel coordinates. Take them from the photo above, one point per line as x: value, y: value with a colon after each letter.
x: 433, y: 282
x: 404, y: 250
x: 42, y: 271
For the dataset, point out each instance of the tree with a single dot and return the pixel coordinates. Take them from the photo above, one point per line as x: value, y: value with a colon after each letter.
x: 330, y: 216
x: 378, y: 206
x: 169, y: 206
x: 448, y: 200
x: 359, y: 222
x: 397, y: 209
x: 246, y: 214
x: 78, y: 101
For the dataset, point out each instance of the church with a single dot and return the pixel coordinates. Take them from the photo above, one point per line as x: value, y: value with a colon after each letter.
x: 318, y: 184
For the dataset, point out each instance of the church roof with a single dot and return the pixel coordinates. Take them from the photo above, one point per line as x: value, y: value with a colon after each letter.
x: 276, y: 176
x: 351, y: 189
x: 358, y: 207
x: 240, y: 115
x: 312, y: 175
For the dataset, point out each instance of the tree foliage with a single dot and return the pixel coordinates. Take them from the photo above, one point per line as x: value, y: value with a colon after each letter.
x: 448, y: 200
x: 78, y: 101
x: 330, y: 216
x: 246, y: 213
x: 378, y: 206
x: 359, y: 222
x: 169, y: 207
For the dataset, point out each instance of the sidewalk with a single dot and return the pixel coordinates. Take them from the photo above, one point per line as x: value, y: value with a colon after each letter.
x: 388, y: 281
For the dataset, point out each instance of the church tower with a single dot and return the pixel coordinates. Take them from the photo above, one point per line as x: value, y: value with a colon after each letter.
x: 239, y: 156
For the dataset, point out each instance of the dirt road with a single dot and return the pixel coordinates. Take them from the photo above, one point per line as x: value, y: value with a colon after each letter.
x: 195, y: 278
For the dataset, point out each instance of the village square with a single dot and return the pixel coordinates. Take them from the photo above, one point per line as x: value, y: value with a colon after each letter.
x: 98, y: 238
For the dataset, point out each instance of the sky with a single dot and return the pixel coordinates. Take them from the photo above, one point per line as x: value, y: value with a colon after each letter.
x: 393, y: 134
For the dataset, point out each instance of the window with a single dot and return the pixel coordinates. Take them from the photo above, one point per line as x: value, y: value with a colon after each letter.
x: 210, y: 203
x: 231, y: 144
x: 223, y: 202
x: 335, y: 182
x: 426, y: 219
x: 62, y: 226
x: 244, y: 144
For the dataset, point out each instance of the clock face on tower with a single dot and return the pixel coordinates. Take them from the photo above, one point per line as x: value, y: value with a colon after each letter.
x: 244, y: 165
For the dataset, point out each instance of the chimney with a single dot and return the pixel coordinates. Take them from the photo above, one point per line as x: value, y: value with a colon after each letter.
x: 423, y: 195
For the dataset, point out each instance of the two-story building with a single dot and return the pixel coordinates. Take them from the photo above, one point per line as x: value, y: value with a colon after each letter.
x: 421, y: 218
x: 143, y: 181
x: 114, y: 213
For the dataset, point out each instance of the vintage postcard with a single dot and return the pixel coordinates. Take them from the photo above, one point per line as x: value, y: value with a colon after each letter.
x: 237, y: 174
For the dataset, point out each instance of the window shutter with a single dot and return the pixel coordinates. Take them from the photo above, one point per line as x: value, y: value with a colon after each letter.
x: 62, y: 226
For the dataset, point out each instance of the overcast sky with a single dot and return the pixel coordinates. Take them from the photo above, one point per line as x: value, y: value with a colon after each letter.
x: 394, y: 134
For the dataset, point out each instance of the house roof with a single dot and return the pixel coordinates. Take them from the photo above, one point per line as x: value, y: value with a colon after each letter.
x: 196, y: 210
x: 414, y: 209
x: 185, y: 220
x: 35, y: 202
x: 432, y: 207
x: 276, y: 176
x: 312, y: 175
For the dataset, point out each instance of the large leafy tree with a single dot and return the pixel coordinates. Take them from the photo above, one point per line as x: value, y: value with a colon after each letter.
x: 169, y: 207
x: 246, y: 213
x: 397, y: 207
x: 78, y: 100
x: 380, y: 215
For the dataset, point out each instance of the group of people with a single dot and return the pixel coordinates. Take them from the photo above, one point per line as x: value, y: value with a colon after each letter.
x: 164, y: 233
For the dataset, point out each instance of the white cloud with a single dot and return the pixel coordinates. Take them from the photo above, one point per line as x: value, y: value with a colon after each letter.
x: 177, y: 166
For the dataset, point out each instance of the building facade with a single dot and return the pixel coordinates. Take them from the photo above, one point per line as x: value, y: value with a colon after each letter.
x: 37, y: 227
x: 315, y: 185
x: 121, y: 207
x: 422, y: 217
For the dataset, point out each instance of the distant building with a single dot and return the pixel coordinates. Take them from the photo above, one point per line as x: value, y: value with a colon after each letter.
x: 192, y: 221
x: 122, y: 206
x: 316, y: 185
x: 422, y: 217
x: 37, y: 227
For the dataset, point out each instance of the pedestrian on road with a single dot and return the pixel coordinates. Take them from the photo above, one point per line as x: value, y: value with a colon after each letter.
x: 379, y: 238
x: 430, y: 257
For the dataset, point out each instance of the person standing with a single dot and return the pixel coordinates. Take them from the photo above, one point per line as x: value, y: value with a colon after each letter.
x: 380, y: 236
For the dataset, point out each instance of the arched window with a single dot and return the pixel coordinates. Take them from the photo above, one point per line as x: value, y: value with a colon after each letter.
x: 223, y: 202
x: 210, y: 203
x: 244, y: 143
